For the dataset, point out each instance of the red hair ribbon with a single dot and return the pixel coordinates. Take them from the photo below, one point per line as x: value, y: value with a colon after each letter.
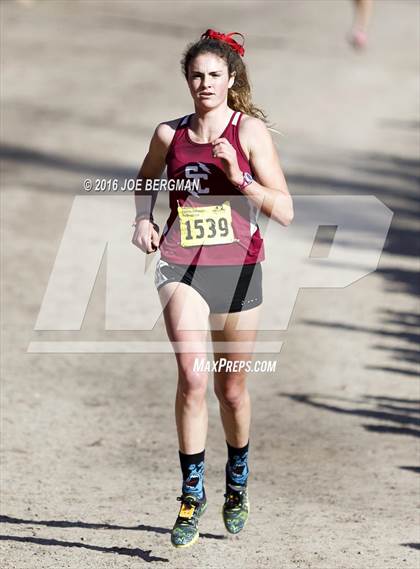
x: 227, y: 38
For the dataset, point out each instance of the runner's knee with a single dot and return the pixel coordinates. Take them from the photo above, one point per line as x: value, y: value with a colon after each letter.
x: 231, y: 396
x: 192, y: 384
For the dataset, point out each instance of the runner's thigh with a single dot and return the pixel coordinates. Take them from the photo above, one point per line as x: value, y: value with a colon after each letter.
x: 186, y: 318
x: 231, y: 343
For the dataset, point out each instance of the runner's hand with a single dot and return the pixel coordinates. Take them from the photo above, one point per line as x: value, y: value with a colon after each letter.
x: 146, y: 236
x: 223, y: 149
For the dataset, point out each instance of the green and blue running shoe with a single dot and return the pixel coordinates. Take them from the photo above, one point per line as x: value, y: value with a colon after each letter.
x: 185, y: 531
x: 236, y: 508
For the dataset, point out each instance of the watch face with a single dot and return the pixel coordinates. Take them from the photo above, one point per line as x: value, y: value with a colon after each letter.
x: 248, y: 178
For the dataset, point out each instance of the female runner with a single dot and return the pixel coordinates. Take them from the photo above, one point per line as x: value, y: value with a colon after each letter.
x: 210, y: 266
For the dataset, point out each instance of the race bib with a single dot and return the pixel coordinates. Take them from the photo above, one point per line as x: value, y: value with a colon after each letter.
x: 206, y: 225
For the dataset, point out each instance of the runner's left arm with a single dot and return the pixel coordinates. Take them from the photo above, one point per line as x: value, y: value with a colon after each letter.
x: 269, y: 189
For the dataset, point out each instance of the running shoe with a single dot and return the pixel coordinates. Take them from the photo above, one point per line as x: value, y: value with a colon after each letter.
x: 185, y: 531
x: 236, y: 508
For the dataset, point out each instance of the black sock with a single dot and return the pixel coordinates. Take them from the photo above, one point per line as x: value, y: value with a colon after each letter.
x: 237, y: 470
x: 192, y: 466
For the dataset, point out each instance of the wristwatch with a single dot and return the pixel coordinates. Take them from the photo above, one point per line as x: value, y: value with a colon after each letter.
x: 248, y: 179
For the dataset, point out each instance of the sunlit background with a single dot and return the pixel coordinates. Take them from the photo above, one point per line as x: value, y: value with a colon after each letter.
x: 89, y: 440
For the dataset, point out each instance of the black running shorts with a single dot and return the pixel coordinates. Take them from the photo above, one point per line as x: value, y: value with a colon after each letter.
x: 225, y: 288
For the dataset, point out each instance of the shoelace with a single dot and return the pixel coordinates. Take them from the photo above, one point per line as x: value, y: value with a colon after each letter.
x: 191, y: 503
x: 233, y: 499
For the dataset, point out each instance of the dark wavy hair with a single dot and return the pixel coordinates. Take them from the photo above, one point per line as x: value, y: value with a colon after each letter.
x: 239, y: 95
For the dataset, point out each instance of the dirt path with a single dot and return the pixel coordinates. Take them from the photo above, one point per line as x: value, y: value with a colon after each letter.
x: 90, y: 465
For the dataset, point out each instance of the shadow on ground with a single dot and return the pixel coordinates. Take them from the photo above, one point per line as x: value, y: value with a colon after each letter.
x: 392, y: 415
x: 396, y: 182
x: 145, y: 555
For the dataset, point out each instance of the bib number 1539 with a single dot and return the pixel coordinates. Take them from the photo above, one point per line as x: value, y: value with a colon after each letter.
x: 207, y: 225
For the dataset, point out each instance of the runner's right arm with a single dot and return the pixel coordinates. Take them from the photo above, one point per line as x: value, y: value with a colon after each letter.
x: 146, y: 233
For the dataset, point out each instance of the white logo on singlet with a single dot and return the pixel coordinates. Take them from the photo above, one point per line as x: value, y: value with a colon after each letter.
x: 192, y: 171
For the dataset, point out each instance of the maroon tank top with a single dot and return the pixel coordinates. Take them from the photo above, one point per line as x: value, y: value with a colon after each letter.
x: 190, y: 160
